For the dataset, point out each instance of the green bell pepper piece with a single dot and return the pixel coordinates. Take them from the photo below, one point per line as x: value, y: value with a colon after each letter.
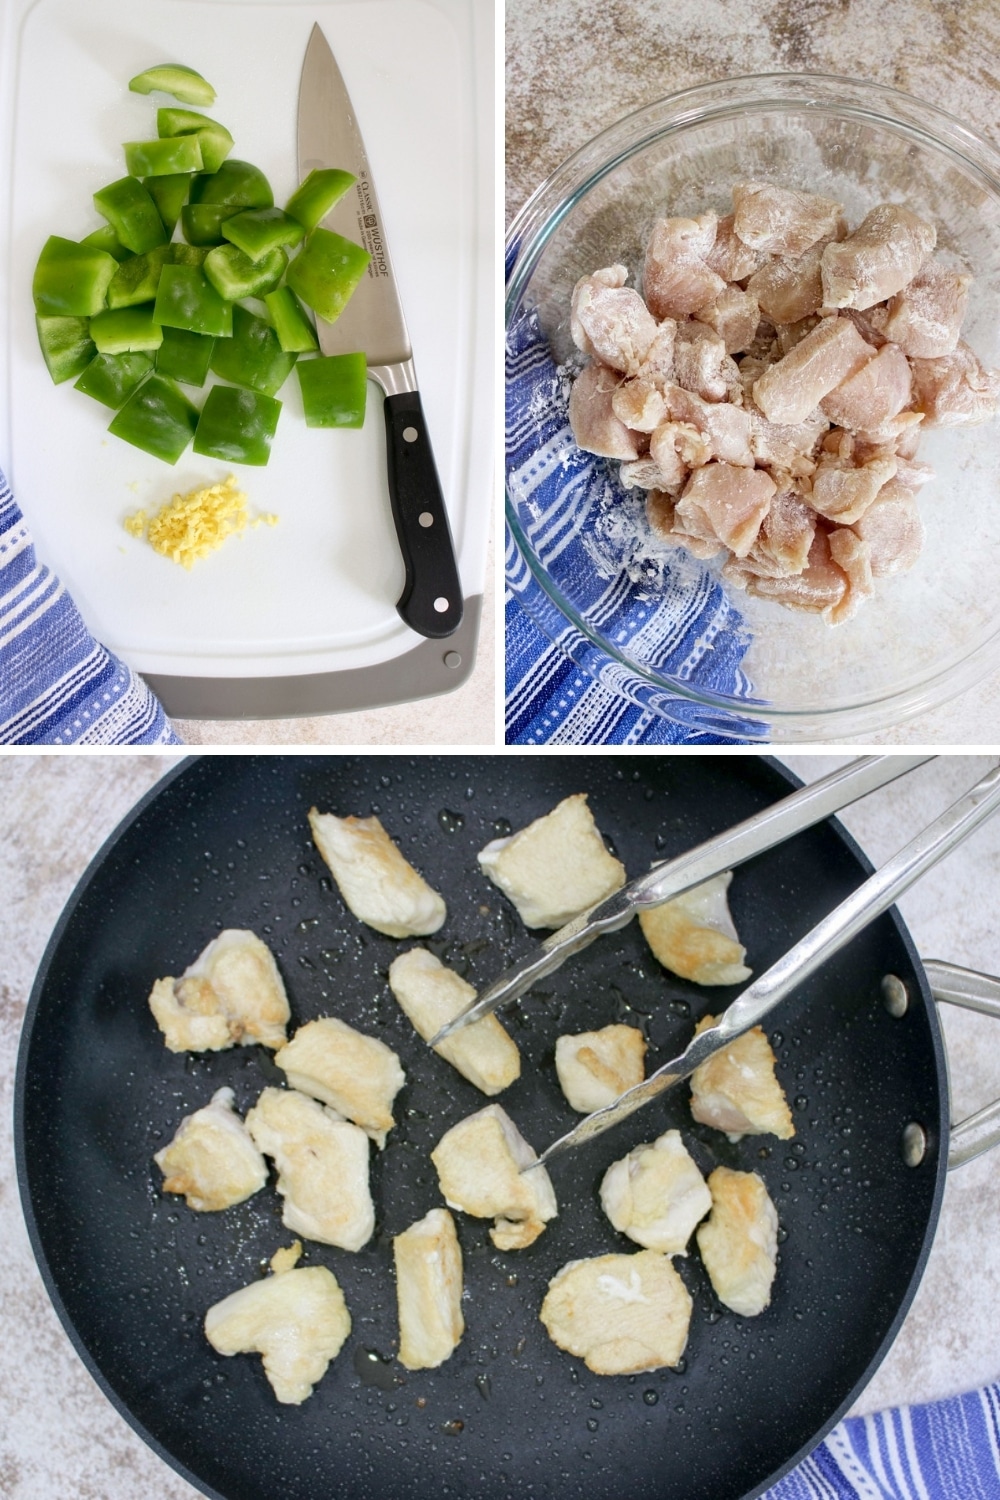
x: 132, y: 214
x: 173, y: 78
x: 163, y: 158
x: 255, y: 231
x: 316, y: 196
x: 326, y: 272
x: 252, y: 357
x: 201, y: 223
x: 213, y: 138
x: 188, y: 255
x: 235, y: 275
x: 137, y: 278
x: 111, y: 378
x: 71, y: 280
x: 185, y: 356
x: 238, y: 183
x: 106, y: 239
x: 158, y: 418
x: 123, y: 330
x: 237, y: 425
x: 66, y: 346
x: 186, y: 299
x: 296, y: 334
x: 169, y: 193
x: 334, y: 388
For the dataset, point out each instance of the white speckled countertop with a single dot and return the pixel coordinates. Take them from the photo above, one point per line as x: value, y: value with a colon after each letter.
x: 61, y: 1440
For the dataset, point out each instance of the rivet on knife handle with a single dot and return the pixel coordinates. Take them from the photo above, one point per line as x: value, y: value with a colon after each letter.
x: 431, y: 601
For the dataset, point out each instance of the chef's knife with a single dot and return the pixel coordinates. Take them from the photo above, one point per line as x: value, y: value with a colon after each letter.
x: 372, y: 322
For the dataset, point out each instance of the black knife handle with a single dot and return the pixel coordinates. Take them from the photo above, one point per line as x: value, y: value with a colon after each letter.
x: 431, y: 602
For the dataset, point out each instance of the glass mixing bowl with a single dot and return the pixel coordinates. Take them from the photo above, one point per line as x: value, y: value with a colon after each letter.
x: 926, y: 635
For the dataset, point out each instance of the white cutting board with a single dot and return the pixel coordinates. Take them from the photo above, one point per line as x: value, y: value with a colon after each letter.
x: 315, y: 593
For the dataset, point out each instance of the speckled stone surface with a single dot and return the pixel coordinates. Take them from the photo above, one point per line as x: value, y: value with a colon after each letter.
x: 61, y: 1440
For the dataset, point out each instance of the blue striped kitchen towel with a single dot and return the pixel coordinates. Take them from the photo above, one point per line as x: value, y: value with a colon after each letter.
x: 651, y: 602
x: 58, y: 686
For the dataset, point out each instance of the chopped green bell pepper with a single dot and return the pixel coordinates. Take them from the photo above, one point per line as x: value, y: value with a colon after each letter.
x: 255, y: 231
x: 237, y: 425
x: 296, y: 334
x: 106, y: 239
x: 238, y: 183
x: 158, y: 418
x: 201, y: 223
x: 111, y: 378
x: 235, y: 275
x: 124, y: 330
x: 334, y: 388
x: 163, y: 158
x: 213, y: 138
x: 66, y: 346
x: 186, y: 299
x: 188, y: 255
x: 137, y: 278
x: 185, y: 356
x: 252, y: 357
x: 326, y: 272
x: 169, y: 193
x: 71, y: 280
x: 316, y: 196
x: 173, y: 78
x: 132, y: 214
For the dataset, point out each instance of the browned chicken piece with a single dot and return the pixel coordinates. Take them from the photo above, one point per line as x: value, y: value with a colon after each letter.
x: 794, y: 387
x: 788, y: 290
x: 610, y: 320
x: 676, y: 279
x: 639, y: 404
x: 660, y: 513
x: 592, y: 418
x: 620, y: 1314
x: 658, y: 366
x: 729, y: 257
x: 851, y: 553
x: 784, y: 539
x: 734, y: 315
x: 892, y: 529
x: 843, y: 491
x: 646, y: 474
x: 955, y: 389
x: 883, y: 254
x: 739, y: 1241
x: 818, y: 588
x: 924, y: 318
x: 727, y: 502
x: 725, y: 427
x: 701, y: 363
x: 783, y: 221
x: 786, y: 445
x: 872, y: 395
x: 737, y: 1090
x: 790, y: 334
x: 676, y: 447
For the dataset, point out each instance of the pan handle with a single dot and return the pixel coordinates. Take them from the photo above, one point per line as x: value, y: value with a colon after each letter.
x: 974, y: 991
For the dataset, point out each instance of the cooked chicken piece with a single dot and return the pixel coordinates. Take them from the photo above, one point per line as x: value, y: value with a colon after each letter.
x: 675, y: 448
x: 298, y: 1320
x: 883, y: 254
x: 432, y: 995
x: 729, y: 257
x: 893, y: 530
x: 322, y: 1164
x: 694, y: 936
x: 357, y: 1075
x: 783, y: 221
x: 231, y: 993
x: 594, y: 1067
x: 726, y: 427
x: 728, y: 502
x: 739, y: 1242
x: 676, y: 280
x: 702, y: 365
x: 737, y: 1090
x: 610, y: 320
x: 639, y: 404
x: 378, y: 885
x: 853, y: 555
x: 555, y: 868
x: 786, y: 445
x: 955, y: 389
x: 428, y: 1291
x: 734, y: 315
x: 592, y: 417
x: 646, y: 474
x: 790, y: 290
x: 842, y: 491
x: 621, y: 1314
x: 211, y: 1159
x: 872, y: 395
x: 791, y: 389
x: 656, y: 1195
x: 784, y: 539
x: 818, y: 588
x: 924, y: 318
x: 479, y: 1164
x: 661, y: 514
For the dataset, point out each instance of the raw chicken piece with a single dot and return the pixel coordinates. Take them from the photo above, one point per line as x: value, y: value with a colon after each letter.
x: 794, y: 387
x: 787, y: 446
x: 621, y: 1314
x: 853, y: 555
x: 789, y: 290
x: 656, y: 1195
x: 913, y: 475
x: 924, y: 318
x: 694, y: 936
x: 592, y: 416
x: 231, y: 993
x: 701, y: 363
x: 555, y: 868
x: 432, y: 995
x: 783, y: 221
x: 378, y: 885
x: 883, y: 254
x: 734, y: 315
x: 785, y: 537
x: 646, y: 474
x: 212, y: 1159
x: 357, y: 1075
x: 726, y: 427
x: 658, y: 365
x: 955, y: 389
x: 675, y: 448
x: 428, y: 1262
x: 611, y: 321
x: 676, y: 280
x: 790, y: 334
x: 594, y: 1067
x: 843, y: 492
x: 297, y: 1319
x: 737, y: 1091
x: 729, y: 257
x: 872, y: 395
x: 639, y: 404
x: 817, y: 589
x: 661, y: 514
x: 893, y: 530
x: 739, y: 1242
x: 479, y: 1164
x: 322, y: 1164
x: 727, y: 502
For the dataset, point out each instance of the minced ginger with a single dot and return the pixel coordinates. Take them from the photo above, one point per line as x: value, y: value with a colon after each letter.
x: 191, y: 526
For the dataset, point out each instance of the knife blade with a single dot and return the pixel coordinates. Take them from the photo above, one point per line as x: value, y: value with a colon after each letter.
x: 328, y: 136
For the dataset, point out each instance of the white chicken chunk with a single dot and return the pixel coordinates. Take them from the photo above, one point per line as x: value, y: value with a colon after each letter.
x: 872, y: 395
x: 818, y: 589
x: 789, y: 290
x: 791, y: 389
x: 212, y: 1159
x: 298, y: 1320
x: 676, y: 280
x: 377, y: 883
x: 432, y: 995
x: 621, y: 1314
x: 882, y: 256
x: 739, y: 1241
x: 925, y: 317
x: 729, y: 257
x: 782, y: 221
x: 428, y: 1262
x: 893, y: 530
x: 231, y: 993
x: 595, y: 425
x: 357, y: 1075
x: 610, y: 320
x: 737, y: 1089
x: 479, y: 1164
x: 555, y: 868
x: 656, y: 1195
x: 955, y: 389
x: 322, y: 1164
x: 727, y: 502
x: 842, y: 491
x: 694, y: 935
x: 594, y: 1067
